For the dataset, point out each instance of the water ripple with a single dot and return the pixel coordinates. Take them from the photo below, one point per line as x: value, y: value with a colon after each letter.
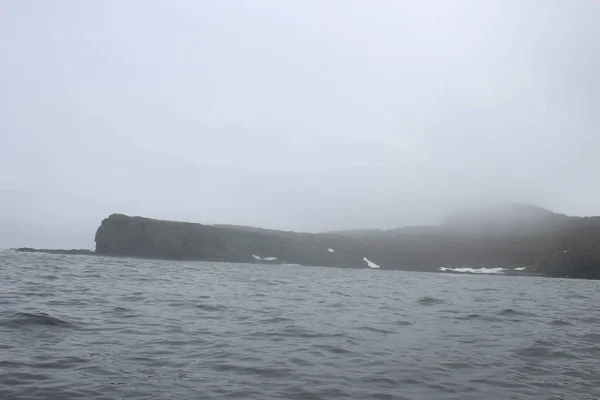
x: 23, y: 319
x: 78, y: 327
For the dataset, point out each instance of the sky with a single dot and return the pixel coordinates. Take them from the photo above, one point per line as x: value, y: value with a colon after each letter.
x: 298, y: 115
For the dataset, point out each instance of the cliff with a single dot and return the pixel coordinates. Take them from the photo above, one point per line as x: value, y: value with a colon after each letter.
x: 144, y: 237
x: 509, y: 236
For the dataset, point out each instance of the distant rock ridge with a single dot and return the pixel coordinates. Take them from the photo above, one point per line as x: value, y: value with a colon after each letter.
x: 507, y: 236
x: 518, y: 239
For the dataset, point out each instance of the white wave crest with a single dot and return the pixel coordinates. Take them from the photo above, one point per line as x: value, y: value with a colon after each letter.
x: 330, y: 250
x: 475, y: 270
x: 264, y: 258
x: 520, y: 268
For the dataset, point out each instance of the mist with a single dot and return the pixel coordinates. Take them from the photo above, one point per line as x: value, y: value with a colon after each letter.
x: 306, y: 116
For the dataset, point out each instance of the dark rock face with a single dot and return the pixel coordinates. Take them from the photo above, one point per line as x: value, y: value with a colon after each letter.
x: 564, y: 265
x: 145, y: 237
x: 574, y: 250
x: 506, y: 237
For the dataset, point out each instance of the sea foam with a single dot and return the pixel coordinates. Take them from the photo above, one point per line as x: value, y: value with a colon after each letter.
x: 370, y: 263
x: 474, y: 270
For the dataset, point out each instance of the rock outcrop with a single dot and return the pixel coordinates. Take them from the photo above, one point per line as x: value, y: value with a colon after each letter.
x: 510, y: 236
x: 144, y: 237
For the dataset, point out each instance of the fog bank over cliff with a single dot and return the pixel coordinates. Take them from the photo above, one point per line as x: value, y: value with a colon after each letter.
x: 304, y: 116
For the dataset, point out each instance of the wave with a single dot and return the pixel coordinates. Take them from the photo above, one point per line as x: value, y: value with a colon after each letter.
x: 474, y: 270
x: 429, y: 300
x: 479, y: 317
x: 20, y: 319
x: 373, y: 329
x: 560, y: 322
x: 210, y: 307
x: 370, y: 263
x: 259, y: 258
x: 510, y: 311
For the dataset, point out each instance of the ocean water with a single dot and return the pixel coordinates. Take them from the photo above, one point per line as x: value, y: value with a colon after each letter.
x: 77, y: 327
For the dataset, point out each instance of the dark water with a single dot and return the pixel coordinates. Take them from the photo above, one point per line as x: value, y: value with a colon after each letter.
x: 76, y: 327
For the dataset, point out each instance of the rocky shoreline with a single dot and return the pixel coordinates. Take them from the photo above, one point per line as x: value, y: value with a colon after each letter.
x: 83, y: 252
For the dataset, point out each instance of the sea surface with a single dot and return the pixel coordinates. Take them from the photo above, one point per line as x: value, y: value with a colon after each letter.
x: 81, y: 327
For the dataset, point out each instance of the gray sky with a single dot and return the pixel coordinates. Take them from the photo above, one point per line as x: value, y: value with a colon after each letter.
x: 298, y: 115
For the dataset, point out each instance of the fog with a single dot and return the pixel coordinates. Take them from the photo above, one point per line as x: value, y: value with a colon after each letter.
x: 305, y: 115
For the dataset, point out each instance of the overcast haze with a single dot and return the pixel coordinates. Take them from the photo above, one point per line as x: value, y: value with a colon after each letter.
x: 295, y: 115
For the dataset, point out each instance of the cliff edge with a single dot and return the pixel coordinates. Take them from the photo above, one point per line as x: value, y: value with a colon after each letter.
x: 122, y: 235
x: 513, y: 236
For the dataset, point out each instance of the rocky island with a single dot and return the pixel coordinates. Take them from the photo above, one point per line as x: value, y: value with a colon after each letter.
x: 520, y: 238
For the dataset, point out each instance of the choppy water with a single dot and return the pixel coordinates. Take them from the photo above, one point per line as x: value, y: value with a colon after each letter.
x: 75, y: 327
